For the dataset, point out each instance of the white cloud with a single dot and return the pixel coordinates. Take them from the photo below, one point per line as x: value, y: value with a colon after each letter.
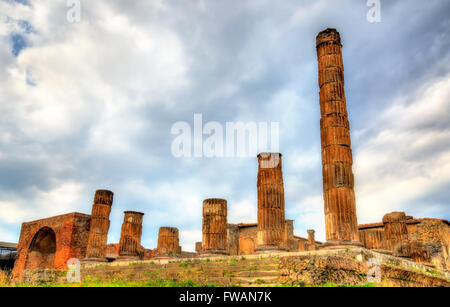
x: 62, y: 199
x: 107, y: 89
x: 408, y: 157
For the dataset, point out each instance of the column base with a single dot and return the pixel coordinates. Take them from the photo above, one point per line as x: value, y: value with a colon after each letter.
x: 270, y: 249
x: 341, y: 244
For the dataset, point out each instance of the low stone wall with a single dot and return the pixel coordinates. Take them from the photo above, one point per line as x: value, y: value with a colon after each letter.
x: 351, y: 267
x: 313, y: 268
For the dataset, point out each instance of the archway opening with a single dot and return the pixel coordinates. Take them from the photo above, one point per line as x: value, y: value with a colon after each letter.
x: 41, y: 253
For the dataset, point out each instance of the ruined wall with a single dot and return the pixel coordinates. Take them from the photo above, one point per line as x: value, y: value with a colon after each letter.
x: 247, y: 239
x: 242, y: 239
x: 373, y: 238
x: 427, y: 240
x: 112, y: 249
x: 50, y: 242
x: 434, y: 235
x: 233, y: 239
x: 339, y: 197
x: 302, y: 244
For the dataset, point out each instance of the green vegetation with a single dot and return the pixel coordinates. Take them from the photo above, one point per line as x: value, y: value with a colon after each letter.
x: 332, y: 285
x: 4, y: 279
x: 122, y: 283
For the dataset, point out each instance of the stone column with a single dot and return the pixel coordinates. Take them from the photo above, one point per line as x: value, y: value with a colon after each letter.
x: 271, y: 216
x: 214, y: 226
x: 168, y: 241
x: 396, y: 234
x: 130, y: 237
x: 340, y: 206
x: 311, y: 240
x: 198, y: 247
x: 98, y: 232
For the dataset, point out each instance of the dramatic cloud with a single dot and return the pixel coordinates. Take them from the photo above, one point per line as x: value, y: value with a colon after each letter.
x: 90, y: 105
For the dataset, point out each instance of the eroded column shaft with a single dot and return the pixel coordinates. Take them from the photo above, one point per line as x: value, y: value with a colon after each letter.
x: 271, y: 215
x: 214, y: 226
x: 130, y: 237
x: 396, y: 233
x: 168, y: 241
x: 339, y: 197
x: 98, y: 232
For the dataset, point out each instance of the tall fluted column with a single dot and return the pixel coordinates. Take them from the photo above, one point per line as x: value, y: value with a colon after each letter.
x: 396, y: 234
x: 98, y: 232
x: 168, y: 241
x: 271, y: 216
x: 214, y: 226
x: 340, y: 206
x: 130, y: 237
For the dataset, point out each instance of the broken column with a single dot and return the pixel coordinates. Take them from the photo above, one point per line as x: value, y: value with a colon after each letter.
x: 168, y: 241
x: 271, y: 216
x: 340, y: 206
x: 98, y: 232
x: 198, y: 247
x: 214, y: 226
x: 130, y: 237
x: 311, y: 240
x: 396, y: 234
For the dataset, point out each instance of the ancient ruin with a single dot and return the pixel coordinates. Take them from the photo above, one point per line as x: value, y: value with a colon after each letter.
x: 168, y: 241
x: 340, y: 206
x: 98, y: 233
x: 130, y: 237
x: 271, y: 217
x: 214, y: 226
x: 425, y: 240
x: 49, y: 243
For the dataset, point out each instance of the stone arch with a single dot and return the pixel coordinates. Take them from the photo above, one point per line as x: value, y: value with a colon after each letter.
x: 42, y: 250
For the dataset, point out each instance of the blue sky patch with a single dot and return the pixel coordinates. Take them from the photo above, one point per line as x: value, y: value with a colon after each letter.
x: 18, y: 43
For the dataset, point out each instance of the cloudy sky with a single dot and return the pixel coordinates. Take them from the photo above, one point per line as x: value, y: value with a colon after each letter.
x: 90, y: 105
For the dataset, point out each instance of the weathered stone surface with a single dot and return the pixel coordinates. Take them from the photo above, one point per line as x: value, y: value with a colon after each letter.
x: 373, y: 238
x: 233, y: 239
x: 271, y: 214
x: 311, y: 240
x: 214, y: 226
x: 351, y: 267
x: 340, y: 206
x: 434, y: 236
x: 198, y: 247
x: 168, y: 241
x: 314, y: 268
x: 50, y: 242
x: 428, y: 238
x: 130, y: 237
x: 396, y: 233
x: 98, y: 233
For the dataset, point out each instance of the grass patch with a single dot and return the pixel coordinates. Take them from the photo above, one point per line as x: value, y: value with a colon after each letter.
x: 5, y: 279
x: 121, y: 283
x: 333, y: 285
